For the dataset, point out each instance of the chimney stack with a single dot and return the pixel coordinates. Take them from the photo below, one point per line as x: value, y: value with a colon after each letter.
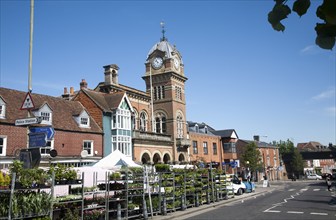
x: 256, y: 138
x: 83, y: 84
x: 72, y: 90
x: 111, y: 74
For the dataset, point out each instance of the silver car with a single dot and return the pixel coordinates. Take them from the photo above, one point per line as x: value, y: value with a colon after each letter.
x: 314, y: 177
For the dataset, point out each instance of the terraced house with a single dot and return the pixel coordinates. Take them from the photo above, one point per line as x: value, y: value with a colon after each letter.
x: 73, y: 130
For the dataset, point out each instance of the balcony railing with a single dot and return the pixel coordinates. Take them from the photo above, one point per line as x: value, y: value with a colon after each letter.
x: 151, y: 136
x: 183, y: 142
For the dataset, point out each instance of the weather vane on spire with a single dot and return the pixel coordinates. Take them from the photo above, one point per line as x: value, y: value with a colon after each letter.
x: 162, y: 24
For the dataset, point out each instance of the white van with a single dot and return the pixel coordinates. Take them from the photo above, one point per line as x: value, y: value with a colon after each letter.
x: 238, y: 186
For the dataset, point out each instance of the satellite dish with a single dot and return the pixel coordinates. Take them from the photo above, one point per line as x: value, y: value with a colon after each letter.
x: 53, y: 153
x: 84, y: 153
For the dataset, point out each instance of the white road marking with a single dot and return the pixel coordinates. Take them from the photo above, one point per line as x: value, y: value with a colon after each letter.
x: 318, y: 213
x: 294, y: 212
x: 290, y: 190
x: 273, y: 211
x: 316, y: 189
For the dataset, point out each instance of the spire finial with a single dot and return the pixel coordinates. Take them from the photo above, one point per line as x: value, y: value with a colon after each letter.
x: 162, y: 24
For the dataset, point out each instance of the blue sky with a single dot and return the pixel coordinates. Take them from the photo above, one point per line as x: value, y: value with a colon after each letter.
x: 241, y: 73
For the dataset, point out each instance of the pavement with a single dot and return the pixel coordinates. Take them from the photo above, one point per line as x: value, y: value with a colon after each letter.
x: 260, y: 190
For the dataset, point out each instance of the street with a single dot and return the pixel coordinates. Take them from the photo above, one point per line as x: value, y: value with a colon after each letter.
x: 292, y: 200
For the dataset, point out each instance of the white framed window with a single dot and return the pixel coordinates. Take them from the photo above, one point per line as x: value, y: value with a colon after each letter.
x: 2, y: 108
x: 205, y: 147
x: 83, y: 119
x: 3, y: 145
x: 88, y: 146
x: 159, y: 92
x: 45, y: 114
x: 45, y: 151
x: 135, y: 119
x: 160, y: 123
x: 195, y: 147
x: 196, y: 128
x: 84, y: 122
x: 143, y: 121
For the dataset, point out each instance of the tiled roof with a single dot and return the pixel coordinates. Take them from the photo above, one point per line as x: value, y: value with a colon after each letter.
x: 201, y: 127
x: 227, y: 133
x: 107, y: 102
x: 260, y: 144
x: 63, y: 111
x: 129, y: 90
x: 310, y: 146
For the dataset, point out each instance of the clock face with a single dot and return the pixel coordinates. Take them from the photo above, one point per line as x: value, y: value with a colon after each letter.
x: 176, y: 63
x: 157, y: 62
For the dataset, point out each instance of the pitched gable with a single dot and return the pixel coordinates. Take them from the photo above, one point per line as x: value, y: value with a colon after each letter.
x: 62, y: 110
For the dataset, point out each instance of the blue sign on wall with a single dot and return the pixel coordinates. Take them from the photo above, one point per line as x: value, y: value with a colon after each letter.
x: 37, y: 140
x: 48, y: 130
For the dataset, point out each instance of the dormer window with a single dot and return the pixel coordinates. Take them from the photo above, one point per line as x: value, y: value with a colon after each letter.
x: 45, y: 114
x: 2, y: 108
x: 196, y: 128
x: 83, y: 120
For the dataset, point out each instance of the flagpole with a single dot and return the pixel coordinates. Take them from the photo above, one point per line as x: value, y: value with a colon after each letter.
x: 31, y: 46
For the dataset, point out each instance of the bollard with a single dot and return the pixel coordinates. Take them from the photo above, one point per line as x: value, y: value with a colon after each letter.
x: 164, y: 206
x: 144, y: 211
x: 197, y: 200
x: 119, y: 211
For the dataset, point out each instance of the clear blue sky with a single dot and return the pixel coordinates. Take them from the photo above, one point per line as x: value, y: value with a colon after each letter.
x: 241, y: 73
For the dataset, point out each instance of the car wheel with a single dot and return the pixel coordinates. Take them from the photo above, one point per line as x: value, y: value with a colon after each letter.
x: 240, y: 191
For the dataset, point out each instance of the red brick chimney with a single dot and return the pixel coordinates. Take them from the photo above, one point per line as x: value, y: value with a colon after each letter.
x: 83, y: 84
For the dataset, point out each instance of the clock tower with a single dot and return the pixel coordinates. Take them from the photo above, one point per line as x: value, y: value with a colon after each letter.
x: 165, y: 82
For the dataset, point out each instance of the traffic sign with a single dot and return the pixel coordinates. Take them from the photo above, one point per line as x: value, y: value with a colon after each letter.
x: 27, y: 102
x: 27, y: 121
x: 49, y: 130
x: 37, y: 140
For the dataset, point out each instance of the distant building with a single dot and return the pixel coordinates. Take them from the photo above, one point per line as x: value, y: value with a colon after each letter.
x: 317, y: 165
x: 269, y: 157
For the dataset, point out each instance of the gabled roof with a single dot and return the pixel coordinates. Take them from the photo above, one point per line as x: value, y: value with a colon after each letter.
x: 227, y: 133
x: 201, y: 128
x: 122, y: 88
x: 311, y: 146
x: 63, y: 111
x: 107, y: 101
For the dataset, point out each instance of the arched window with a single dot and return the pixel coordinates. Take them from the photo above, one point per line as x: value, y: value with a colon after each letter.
x: 143, y: 121
x: 179, y: 121
x: 135, y: 120
x: 160, y: 123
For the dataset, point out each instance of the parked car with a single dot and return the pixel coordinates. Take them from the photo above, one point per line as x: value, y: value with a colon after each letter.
x: 237, y: 185
x: 314, y: 177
